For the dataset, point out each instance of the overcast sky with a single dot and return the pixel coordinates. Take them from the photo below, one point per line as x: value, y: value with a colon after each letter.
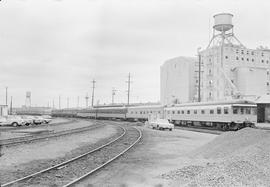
x: 56, y: 47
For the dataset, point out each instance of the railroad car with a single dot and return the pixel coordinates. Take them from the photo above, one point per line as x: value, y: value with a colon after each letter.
x: 229, y: 115
x: 65, y: 112
x: 104, y: 113
x: 142, y: 113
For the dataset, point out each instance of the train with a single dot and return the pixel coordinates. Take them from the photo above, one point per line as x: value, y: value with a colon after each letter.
x: 223, y: 115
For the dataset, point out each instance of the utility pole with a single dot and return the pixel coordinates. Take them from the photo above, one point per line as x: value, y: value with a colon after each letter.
x: 6, y: 95
x: 128, y: 88
x: 113, y: 94
x: 199, y: 88
x: 59, y: 101
x: 68, y: 102
x: 93, y: 91
x: 86, y: 100
x: 78, y: 101
x: 53, y: 103
x: 10, y: 105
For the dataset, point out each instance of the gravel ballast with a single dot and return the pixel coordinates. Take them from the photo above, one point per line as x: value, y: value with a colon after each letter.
x: 240, y: 158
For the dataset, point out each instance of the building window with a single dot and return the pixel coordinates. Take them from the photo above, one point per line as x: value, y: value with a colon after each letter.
x: 252, y: 60
x: 267, y: 72
x: 248, y: 110
x: 178, y: 112
x: 247, y: 52
x: 183, y: 112
x: 252, y: 53
x: 218, y: 110
x: 247, y: 59
x: 242, y: 52
x: 211, y: 111
x: 188, y: 112
x: 237, y: 58
x: 226, y: 110
x: 267, y: 83
x: 235, y: 111
x: 262, y: 61
x: 237, y: 51
x: 267, y: 61
x: 262, y: 54
x: 172, y: 112
x: 226, y: 57
x: 242, y: 58
x: 241, y: 110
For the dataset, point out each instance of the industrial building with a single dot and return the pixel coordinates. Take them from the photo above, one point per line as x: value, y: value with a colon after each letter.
x: 177, y: 80
x: 224, y: 70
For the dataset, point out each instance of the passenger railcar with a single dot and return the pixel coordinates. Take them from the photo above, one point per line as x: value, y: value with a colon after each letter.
x: 230, y: 115
x: 104, y: 113
x: 142, y: 113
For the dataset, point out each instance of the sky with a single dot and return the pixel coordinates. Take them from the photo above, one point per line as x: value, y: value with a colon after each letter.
x: 56, y: 48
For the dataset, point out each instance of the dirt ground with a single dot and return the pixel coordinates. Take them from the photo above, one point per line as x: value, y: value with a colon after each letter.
x: 159, y: 152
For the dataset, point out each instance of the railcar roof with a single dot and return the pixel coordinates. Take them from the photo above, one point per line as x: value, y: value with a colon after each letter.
x: 145, y: 106
x: 229, y: 102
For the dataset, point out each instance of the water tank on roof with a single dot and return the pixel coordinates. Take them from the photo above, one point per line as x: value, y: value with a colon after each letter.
x: 223, y: 22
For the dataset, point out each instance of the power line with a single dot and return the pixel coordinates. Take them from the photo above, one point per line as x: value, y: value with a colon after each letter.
x: 93, y: 91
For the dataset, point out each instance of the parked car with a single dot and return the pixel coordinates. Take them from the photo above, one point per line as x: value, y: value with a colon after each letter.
x: 46, y: 118
x: 38, y: 120
x: 11, y: 121
x: 161, y: 124
x: 29, y: 120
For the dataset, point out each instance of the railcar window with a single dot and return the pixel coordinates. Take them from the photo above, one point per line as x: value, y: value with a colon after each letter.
x: 195, y: 111
x: 226, y: 110
x: 202, y: 112
x: 178, y: 112
x: 235, y: 111
x: 182, y: 111
x: 241, y: 110
x: 248, y: 110
x: 172, y: 112
x: 141, y: 112
x: 188, y: 112
x: 254, y: 111
x: 218, y: 110
x: 211, y: 111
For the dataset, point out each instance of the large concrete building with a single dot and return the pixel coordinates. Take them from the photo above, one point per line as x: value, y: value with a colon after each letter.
x: 177, y: 80
x: 227, y: 70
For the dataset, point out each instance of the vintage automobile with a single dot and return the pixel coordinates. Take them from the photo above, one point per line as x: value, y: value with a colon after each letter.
x: 161, y: 124
x: 11, y: 121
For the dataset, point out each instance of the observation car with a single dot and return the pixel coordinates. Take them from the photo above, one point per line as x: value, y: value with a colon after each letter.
x: 229, y: 115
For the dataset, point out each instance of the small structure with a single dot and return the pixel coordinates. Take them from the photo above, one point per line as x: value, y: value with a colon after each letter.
x: 263, y: 108
x: 3, y: 110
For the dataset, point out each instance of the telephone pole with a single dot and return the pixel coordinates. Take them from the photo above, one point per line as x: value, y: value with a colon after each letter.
x: 113, y: 94
x: 59, y: 101
x: 6, y: 95
x: 10, y: 111
x: 93, y: 91
x: 68, y: 102
x: 128, y: 88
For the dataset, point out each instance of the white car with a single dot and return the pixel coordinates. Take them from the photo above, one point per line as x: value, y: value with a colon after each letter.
x: 161, y: 124
x: 11, y: 121
x: 46, y: 118
x: 38, y: 120
x: 29, y: 120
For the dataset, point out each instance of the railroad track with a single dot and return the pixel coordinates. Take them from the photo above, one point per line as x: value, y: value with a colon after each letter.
x: 29, y: 138
x: 73, y: 171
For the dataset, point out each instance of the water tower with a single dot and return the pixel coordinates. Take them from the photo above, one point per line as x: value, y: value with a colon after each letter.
x: 223, y: 31
x: 28, y: 99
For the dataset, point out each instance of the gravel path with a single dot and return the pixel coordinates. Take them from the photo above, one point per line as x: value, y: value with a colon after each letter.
x: 25, y: 159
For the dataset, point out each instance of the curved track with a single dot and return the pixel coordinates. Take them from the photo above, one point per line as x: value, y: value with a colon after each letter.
x: 29, y: 138
x: 76, y: 169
